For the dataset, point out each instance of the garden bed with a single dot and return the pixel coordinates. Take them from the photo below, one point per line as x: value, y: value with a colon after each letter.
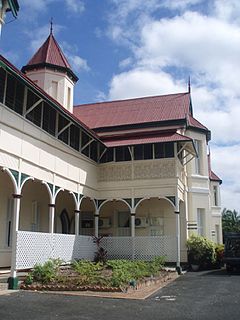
x: 113, y: 276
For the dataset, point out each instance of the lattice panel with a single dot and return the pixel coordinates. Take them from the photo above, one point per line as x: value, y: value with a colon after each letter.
x: 118, y: 247
x: 142, y: 248
x: 37, y: 247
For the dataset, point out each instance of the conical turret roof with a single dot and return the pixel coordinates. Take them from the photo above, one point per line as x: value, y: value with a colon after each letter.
x: 50, y: 55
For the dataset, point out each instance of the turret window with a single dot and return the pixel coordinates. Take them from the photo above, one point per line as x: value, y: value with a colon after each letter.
x: 215, y: 196
x: 198, y: 158
x: 69, y: 98
x: 54, y: 89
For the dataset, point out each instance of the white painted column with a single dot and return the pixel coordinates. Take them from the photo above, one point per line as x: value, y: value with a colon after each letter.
x: 96, y: 220
x: 77, y: 212
x: 133, y: 214
x: 16, y: 211
x: 178, y: 235
x: 51, y: 217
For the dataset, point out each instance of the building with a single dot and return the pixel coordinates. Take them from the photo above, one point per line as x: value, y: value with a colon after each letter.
x: 8, y: 6
x: 135, y: 171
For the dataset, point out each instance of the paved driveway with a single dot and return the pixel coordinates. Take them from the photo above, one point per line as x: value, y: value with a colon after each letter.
x: 207, y: 295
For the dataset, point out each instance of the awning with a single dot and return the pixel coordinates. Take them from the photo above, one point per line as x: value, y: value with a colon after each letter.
x: 186, y: 142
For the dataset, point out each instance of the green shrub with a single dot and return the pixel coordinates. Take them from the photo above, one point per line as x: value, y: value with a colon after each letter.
x: 87, y: 268
x: 125, y: 271
x: 44, y: 273
x: 219, y: 250
x: 88, y: 271
x: 201, y: 251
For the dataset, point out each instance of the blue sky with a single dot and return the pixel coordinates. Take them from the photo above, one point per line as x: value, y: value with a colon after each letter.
x: 131, y: 48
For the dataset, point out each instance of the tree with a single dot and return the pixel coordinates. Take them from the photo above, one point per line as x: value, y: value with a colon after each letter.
x: 230, y: 221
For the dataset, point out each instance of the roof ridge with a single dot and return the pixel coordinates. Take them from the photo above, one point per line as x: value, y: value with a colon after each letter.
x: 131, y: 99
x: 64, y: 58
x: 48, y: 47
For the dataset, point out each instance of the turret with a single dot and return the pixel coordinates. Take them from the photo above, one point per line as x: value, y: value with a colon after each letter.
x: 51, y: 71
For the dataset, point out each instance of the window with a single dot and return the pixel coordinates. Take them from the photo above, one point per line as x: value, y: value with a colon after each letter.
x: 147, y: 151
x: 123, y: 154
x: 62, y: 123
x: 14, y: 94
x: 84, y: 141
x: 94, y: 150
x: 35, y: 217
x: 138, y: 152
x: 123, y: 219
x: 69, y: 98
x: 54, y: 89
x: 215, y: 196
x: 107, y: 156
x: 143, y: 152
x: 35, y: 115
x: 164, y: 150
x: 201, y: 222
x: 49, y: 119
x: 198, y: 158
x: 2, y: 83
x: 74, y: 137
x: 65, y: 222
x: 86, y: 223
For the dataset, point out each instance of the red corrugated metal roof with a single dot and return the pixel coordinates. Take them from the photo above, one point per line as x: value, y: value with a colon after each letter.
x: 134, y: 111
x: 163, y: 137
x: 50, y: 53
x: 195, y: 123
x: 212, y: 175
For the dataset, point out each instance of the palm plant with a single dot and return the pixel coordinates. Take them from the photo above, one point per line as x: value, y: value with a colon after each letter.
x: 230, y: 221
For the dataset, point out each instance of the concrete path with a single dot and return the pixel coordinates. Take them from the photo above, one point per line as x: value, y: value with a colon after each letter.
x: 206, y: 295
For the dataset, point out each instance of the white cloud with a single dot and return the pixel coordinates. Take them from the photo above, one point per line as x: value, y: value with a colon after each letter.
x: 229, y: 173
x: 36, y: 5
x: 75, y: 6
x: 125, y: 62
x: 228, y: 10
x: 77, y: 63
x: 180, y: 4
x: 169, y: 42
x: 38, y: 35
x: 141, y: 82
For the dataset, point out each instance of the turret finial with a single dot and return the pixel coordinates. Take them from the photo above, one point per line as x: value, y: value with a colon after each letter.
x: 189, y: 84
x: 51, y: 25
